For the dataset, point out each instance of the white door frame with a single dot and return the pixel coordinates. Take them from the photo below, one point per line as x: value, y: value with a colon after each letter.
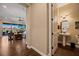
x: 50, y: 39
x: 50, y: 30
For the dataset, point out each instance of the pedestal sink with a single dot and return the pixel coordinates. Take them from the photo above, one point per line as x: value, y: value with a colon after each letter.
x: 64, y: 37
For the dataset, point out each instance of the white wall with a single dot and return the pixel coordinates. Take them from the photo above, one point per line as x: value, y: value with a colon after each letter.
x: 37, y: 16
x: 39, y: 27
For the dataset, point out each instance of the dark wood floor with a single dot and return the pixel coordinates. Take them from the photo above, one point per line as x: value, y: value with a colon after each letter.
x: 15, y: 48
x: 18, y: 48
x: 66, y: 51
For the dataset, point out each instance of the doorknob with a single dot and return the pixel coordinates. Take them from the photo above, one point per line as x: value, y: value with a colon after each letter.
x: 52, y: 19
x: 52, y: 47
x: 52, y: 33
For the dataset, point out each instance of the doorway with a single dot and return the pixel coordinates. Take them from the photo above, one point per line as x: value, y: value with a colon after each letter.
x: 12, y: 28
x: 65, y: 35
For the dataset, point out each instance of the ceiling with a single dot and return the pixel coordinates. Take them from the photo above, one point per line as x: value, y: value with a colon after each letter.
x: 61, y: 4
x: 11, y: 12
x: 70, y: 9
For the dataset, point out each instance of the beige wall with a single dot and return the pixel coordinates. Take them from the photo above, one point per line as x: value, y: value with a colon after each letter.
x: 39, y: 33
x: 71, y: 12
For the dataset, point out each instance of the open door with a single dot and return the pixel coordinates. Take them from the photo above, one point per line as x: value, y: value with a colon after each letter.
x: 54, y: 37
x: 54, y: 30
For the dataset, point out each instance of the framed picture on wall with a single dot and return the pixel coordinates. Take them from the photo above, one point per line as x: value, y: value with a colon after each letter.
x: 77, y: 25
x: 65, y: 25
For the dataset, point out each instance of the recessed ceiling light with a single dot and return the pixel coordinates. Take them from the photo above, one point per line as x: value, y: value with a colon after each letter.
x: 4, y: 6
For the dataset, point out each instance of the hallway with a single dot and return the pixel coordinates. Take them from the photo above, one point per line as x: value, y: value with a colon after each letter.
x: 15, y: 48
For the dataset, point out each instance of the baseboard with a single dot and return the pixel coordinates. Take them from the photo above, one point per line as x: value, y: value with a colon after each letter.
x: 66, y: 43
x: 38, y: 51
x: 49, y: 54
x: 29, y: 47
x: 77, y: 46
